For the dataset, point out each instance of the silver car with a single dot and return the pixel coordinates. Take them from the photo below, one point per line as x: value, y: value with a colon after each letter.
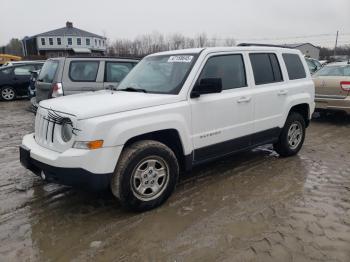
x: 72, y: 75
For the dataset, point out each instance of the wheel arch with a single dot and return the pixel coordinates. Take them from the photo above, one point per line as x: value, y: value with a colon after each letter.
x: 303, y: 109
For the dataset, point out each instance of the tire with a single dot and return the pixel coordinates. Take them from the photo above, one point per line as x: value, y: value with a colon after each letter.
x: 290, y: 142
x: 8, y: 93
x: 145, y: 176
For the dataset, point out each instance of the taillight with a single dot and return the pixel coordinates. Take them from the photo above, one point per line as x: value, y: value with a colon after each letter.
x: 57, y: 90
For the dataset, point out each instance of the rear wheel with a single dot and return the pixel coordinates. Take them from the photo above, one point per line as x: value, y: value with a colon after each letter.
x: 8, y: 93
x: 292, y: 136
x: 145, y: 176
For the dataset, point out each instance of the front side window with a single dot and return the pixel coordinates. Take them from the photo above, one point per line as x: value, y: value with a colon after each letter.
x: 24, y: 70
x: 59, y: 41
x: 83, y: 71
x: 161, y: 74
x: 266, y: 68
x: 69, y: 41
x: 42, y: 41
x: 229, y: 68
x: 78, y: 41
x: 294, y: 66
x: 115, y: 72
x: 50, y: 41
x: 48, y: 71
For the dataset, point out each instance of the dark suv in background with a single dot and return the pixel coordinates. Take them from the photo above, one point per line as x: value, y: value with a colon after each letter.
x: 72, y: 75
x: 14, y: 79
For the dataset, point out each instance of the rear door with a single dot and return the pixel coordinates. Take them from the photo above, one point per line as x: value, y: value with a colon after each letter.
x: 270, y: 95
x: 115, y: 72
x: 82, y: 75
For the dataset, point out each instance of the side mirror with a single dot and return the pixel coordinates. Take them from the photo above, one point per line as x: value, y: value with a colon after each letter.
x: 207, y: 86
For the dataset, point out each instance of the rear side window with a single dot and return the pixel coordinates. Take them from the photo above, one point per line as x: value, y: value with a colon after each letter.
x: 48, y: 71
x: 83, y: 71
x: 294, y: 66
x: 24, y: 70
x: 115, y: 72
x: 266, y: 68
x: 229, y: 68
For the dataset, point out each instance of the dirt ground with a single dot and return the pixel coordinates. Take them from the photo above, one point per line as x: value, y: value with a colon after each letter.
x: 250, y: 207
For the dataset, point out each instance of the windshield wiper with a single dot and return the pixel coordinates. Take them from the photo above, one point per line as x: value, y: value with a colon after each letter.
x: 133, y: 89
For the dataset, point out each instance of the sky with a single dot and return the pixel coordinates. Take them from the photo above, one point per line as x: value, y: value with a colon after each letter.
x: 265, y: 21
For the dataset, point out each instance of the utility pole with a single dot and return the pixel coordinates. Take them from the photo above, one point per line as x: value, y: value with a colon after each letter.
x: 335, y: 47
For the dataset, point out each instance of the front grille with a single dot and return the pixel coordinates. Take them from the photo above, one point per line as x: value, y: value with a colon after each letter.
x: 44, y: 129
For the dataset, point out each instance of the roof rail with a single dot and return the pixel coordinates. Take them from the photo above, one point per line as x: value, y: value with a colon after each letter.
x: 101, y: 56
x: 268, y: 45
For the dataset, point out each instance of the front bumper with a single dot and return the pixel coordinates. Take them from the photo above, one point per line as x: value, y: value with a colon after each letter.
x: 88, y: 169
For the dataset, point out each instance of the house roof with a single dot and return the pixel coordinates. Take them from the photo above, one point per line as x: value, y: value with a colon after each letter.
x: 299, y: 44
x: 69, y: 30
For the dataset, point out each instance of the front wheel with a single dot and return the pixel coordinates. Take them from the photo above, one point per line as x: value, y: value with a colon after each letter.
x: 292, y: 136
x: 8, y: 93
x: 145, y: 176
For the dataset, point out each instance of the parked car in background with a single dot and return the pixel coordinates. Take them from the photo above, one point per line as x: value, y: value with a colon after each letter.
x: 313, y: 64
x: 173, y: 111
x: 72, y: 75
x: 16, y: 63
x: 332, y: 87
x: 14, y: 80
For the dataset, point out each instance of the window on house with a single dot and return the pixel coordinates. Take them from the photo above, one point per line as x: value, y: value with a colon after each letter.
x: 95, y: 42
x: 50, y: 41
x: 78, y: 41
x: 59, y: 41
x: 42, y: 41
x: 69, y: 41
x: 99, y: 42
x: 87, y: 41
x: 266, y: 68
x: 103, y: 43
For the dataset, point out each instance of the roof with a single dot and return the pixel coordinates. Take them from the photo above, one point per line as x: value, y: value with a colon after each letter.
x: 299, y: 44
x: 345, y: 63
x: 69, y: 30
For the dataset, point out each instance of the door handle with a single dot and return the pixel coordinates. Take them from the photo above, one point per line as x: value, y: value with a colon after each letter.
x: 282, y: 92
x: 244, y: 99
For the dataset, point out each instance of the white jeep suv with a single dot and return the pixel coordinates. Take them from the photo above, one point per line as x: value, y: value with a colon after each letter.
x: 173, y: 111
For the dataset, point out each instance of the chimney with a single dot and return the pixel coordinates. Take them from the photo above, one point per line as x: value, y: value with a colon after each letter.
x: 69, y: 24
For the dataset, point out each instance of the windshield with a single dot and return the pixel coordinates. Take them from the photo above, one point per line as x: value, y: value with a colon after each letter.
x: 334, y: 71
x: 48, y: 71
x: 162, y: 74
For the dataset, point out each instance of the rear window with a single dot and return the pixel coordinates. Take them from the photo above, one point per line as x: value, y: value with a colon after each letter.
x: 333, y: 71
x: 48, y: 71
x: 83, y: 71
x: 266, y: 68
x: 294, y: 66
x: 116, y: 71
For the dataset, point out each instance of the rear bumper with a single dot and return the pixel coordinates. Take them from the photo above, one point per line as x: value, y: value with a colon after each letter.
x: 76, y: 177
x: 339, y: 104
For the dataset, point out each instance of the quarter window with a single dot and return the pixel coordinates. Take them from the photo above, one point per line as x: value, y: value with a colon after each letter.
x: 229, y: 68
x: 42, y: 41
x: 294, y: 66
x: 266, y: 68
x: 83, y: 71
x: 115, y: 72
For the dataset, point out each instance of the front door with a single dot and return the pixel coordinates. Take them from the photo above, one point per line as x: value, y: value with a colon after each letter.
x: 222, y: 122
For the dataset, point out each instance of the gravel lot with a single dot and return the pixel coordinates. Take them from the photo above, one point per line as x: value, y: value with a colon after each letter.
x: 251, y: 207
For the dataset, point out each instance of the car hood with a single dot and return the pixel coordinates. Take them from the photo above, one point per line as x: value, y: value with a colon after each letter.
x: 94, y: 104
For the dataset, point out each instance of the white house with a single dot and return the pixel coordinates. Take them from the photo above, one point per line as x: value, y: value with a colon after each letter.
x: 64, y: 41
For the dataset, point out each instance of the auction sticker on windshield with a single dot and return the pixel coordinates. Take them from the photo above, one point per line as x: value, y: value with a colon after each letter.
x: 180, y: 59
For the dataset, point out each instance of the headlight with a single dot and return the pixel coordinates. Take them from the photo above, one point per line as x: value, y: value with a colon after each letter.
x: 67, y: 130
